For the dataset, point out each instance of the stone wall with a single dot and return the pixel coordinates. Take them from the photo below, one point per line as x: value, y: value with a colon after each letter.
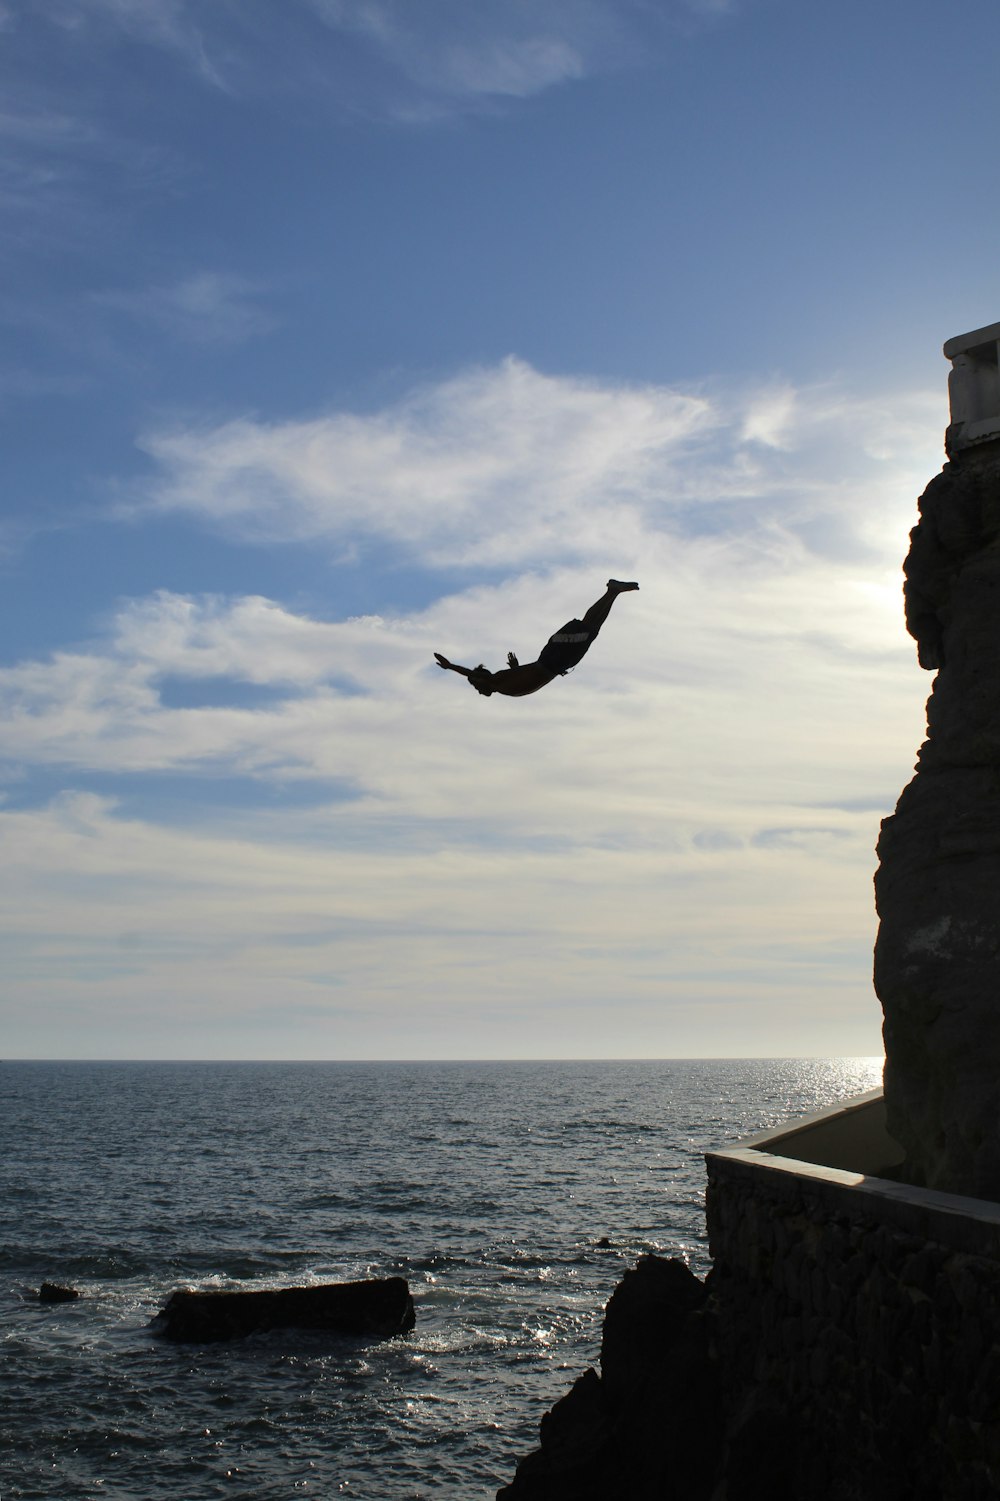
x: 870, y: 1314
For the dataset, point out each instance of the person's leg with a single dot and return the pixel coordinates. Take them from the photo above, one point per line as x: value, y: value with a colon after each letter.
x: 599, y: 612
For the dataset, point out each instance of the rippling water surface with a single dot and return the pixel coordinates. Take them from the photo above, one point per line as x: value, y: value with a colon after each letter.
x: 511, y: 1195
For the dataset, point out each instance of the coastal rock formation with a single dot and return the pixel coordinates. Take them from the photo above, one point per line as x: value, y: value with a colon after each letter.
x: 937, y: 959
x: 53, y: 1292
x: 375, y: 1309
x: 648, y: 1426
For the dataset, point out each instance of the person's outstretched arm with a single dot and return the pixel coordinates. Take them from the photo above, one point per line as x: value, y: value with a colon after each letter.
x: 454, y: 667
x: 480, y: 677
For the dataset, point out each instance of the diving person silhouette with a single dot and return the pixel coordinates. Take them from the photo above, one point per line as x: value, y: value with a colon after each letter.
x: 559, y: 655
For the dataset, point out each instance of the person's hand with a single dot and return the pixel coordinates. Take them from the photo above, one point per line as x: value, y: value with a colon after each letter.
x: 512, y: 660
x: 441, y: 661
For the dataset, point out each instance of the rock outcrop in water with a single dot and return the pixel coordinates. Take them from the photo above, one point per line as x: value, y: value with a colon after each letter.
x: 665, y: 1420
x: 54, y: 1292
x: 649, y: 1426
x: 376, y: 1309
x: 937, y: 959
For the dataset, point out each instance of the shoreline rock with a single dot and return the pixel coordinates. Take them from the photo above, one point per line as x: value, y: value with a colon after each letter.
x: 647, y: 1428
x: 53, y: 1292
x: 668, y: 1418
x: 378, y: 1308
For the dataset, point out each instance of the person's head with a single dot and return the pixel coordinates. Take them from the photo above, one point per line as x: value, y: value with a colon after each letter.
x: 482, y: 680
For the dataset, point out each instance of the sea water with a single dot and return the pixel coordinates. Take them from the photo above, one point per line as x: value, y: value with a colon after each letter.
x: 512, y: 1196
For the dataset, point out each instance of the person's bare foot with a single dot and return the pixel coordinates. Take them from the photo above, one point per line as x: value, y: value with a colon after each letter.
x: 618, y: 587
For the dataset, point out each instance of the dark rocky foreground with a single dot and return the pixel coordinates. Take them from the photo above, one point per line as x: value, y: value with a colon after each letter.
x: 657, y: 1424
x: 375, y: 1309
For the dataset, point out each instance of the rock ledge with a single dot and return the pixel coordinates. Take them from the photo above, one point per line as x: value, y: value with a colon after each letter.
x: 379, y: 1308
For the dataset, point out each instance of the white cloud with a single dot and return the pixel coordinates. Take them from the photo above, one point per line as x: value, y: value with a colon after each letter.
x: 508, y: 467
x: 494, y: 467
x: 683, y: 829
x: 266, y: 943
x: 770, y: 604
x: 769, y: 416
x: 726, y: 697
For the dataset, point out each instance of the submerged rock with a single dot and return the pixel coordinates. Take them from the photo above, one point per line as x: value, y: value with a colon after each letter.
x: 52, y: 1292
x: 379, y: 1308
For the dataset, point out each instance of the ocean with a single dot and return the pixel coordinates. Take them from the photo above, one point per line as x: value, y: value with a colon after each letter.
x: 512, y: 1196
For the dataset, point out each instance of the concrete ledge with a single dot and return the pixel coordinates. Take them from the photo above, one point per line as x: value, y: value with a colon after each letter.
x: 968, y: 1225
x: 828, y: 1158
x: 965, y: 343
x: 851, y: 1135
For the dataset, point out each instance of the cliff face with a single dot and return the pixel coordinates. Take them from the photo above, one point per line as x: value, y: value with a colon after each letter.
x: 937, y: 959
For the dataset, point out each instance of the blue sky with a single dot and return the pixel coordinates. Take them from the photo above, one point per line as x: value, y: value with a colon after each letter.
x: 338, y: 332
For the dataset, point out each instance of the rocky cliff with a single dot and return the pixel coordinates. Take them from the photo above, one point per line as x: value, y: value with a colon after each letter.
x: 937, y: 959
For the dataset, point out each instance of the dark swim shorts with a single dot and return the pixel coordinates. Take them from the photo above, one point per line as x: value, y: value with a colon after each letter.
x: 566, y: 648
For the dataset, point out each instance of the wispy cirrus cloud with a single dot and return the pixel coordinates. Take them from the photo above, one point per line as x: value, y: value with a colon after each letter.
x: 406, y: 62
x: 496, y: 466
x: 47, y: 159
x: 451, y: 52
x: 67, y: 175
x: 174, y: 25
x: 505, y: 466
x: 206, y: 307
x: 447, y: 56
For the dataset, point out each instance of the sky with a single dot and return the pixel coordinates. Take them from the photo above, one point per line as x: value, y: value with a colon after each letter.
x: 340, y: 332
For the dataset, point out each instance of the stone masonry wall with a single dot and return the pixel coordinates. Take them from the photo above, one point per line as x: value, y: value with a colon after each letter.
x: 842, y: 1309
